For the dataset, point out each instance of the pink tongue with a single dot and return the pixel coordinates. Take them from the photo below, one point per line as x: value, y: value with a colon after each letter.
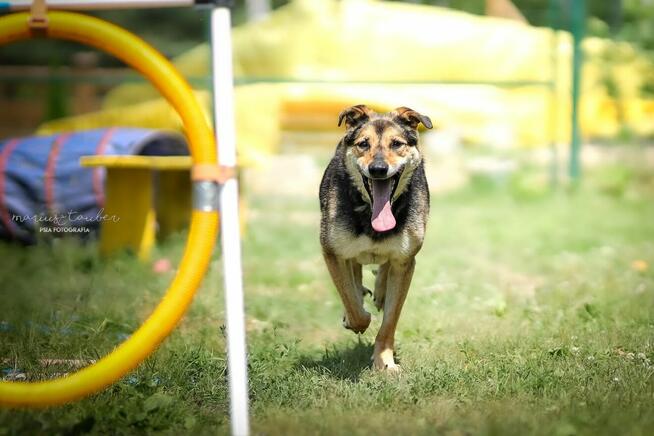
x: 382, y: 215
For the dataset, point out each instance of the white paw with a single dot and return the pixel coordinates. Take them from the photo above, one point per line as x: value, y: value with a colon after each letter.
x: 384, y: 362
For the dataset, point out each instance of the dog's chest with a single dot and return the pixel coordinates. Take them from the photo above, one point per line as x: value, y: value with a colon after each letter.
x: 366, y: 251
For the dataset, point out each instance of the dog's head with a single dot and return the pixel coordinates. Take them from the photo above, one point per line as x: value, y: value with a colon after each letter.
x: 381, y: 155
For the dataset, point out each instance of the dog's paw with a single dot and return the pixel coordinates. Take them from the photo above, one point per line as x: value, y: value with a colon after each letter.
x: 360, y: 325
x: 384, y: 362
x: 379, y: 302
x: 389, y: 368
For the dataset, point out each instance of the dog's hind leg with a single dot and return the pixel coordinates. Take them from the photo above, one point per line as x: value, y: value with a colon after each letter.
x: 397, y: 287
x: 380, y: 286
x: 357, y: 271
x: 343, y: 274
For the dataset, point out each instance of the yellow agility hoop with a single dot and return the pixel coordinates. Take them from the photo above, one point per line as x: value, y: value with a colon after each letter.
x: 203, y: 229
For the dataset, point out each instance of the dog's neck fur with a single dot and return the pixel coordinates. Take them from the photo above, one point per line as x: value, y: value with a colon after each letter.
x: 356, y: 176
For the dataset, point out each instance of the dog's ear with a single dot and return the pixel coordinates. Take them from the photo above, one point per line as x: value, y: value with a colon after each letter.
x: 354, y: 116
x: 411, y: 118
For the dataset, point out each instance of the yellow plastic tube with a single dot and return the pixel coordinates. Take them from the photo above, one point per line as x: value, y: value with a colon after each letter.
x: 204, y: 225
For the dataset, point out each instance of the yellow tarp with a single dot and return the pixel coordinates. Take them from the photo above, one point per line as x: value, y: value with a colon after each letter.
x: 373, y: 41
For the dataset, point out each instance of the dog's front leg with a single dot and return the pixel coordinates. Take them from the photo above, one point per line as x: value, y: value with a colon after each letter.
x: 357, y: 270
x: 397, y: 287
x: 342, y: 272
x: 381, y: 284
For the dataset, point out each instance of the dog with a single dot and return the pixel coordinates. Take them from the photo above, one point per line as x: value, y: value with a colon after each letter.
x: 374, y: 204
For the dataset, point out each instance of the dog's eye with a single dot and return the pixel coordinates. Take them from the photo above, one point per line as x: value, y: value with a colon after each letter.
x: 397, y: 144
x: 364, y: 145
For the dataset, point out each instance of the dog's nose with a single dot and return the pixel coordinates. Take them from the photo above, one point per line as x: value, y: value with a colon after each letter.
x: 378, y: 169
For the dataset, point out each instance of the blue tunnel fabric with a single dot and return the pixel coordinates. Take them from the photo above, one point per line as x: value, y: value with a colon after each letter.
x: 43, y: 186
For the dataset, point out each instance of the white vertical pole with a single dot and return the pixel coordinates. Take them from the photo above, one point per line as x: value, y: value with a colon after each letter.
x: 223, y: 103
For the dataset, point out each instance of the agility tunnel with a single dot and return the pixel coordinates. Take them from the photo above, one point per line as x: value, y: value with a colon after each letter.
x: 42, y: 183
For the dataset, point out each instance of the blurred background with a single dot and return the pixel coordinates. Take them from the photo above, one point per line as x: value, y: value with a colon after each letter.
x: 531, y: 309
x: 493, y: 75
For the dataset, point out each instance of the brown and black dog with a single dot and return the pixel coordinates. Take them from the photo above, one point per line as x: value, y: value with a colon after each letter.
x: 374, y: 202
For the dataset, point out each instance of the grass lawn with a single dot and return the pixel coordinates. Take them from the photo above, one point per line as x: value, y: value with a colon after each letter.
x: 528, y: 314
